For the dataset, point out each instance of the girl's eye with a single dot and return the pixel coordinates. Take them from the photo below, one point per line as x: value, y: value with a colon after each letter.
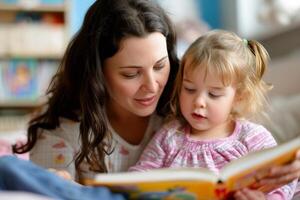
x: 189, y: 90
x: 213, y: 95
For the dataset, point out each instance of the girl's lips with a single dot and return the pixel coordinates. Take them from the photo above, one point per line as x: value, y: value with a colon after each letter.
x: 146, y: 101
x: 198, y: 117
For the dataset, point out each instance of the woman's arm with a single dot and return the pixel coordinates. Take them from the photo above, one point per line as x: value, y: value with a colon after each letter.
x: 247, y: 194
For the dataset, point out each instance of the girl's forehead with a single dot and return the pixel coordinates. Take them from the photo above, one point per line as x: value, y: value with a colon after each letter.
x: 194, y: 70
x: 210, y: 76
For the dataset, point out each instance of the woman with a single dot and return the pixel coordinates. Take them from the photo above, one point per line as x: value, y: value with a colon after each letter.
x: 107, y: 98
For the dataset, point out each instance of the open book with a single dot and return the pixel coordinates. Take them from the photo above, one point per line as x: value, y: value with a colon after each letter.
x: 198, y: 183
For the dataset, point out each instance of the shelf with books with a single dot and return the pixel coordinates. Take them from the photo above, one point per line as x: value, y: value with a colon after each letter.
x: 30, y: 41
x: 33, y: 38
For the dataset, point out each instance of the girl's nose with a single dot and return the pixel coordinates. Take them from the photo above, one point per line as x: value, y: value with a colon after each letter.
x: 200, y: 101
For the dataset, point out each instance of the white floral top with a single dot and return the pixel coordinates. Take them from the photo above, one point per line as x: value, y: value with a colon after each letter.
x: 56, y: 149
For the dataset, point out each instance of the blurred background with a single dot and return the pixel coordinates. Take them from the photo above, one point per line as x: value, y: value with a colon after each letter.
x: 34, y: 35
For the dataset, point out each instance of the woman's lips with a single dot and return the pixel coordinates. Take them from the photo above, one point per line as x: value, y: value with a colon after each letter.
x: 146, y: 101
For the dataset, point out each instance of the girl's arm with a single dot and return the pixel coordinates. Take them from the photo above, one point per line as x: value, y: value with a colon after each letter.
x: 153, y: 157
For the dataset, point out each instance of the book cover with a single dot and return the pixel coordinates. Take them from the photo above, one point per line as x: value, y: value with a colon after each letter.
x: 197, y: 183
x: 19, y: 80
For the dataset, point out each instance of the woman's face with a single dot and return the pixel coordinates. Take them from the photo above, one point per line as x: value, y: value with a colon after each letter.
x: 137, y: 74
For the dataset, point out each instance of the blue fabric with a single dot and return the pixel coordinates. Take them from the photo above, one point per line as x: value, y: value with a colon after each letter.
x: 21, y: 175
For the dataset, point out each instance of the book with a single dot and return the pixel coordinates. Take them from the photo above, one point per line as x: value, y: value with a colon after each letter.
x: 198, y: 183
x: 19, y: 80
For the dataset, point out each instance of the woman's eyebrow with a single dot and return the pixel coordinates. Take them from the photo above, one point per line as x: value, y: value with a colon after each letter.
x: 163, y: 58
x: 130, y: 66
x: 137, y: 66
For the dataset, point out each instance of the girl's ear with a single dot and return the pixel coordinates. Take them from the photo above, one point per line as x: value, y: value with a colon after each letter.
x: 241, y: 95
x: 238, y: 97
x: 237, y: 105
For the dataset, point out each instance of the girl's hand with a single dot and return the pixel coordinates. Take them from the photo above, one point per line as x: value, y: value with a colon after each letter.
x: 280, y: 175
x: 247, y: 194
x: 62, y: 173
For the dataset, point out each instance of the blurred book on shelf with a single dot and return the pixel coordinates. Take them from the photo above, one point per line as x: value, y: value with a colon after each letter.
x: 25, y: 81
x: 30, y: 40
x: 46, y: 70
x: 19, y: 80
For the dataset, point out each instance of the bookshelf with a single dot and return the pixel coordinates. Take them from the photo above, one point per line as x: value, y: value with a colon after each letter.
x: 33, y: 38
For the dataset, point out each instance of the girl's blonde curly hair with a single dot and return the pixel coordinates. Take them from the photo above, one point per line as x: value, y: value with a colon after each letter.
x: 234, y: 60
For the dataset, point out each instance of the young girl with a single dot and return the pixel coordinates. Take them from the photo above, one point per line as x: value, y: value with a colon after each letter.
x: 218, y: 88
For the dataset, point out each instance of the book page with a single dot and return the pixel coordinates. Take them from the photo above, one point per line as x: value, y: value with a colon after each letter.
x: 156, y: 175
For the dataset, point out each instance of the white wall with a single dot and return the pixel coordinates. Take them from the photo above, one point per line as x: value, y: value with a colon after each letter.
x: 242, y: 17
x: 180, y: 9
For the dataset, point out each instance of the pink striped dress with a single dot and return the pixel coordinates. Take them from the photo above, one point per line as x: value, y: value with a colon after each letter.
x: 172, y: 147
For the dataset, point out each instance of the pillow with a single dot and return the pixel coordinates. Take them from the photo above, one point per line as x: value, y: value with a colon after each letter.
x: 284, y: 117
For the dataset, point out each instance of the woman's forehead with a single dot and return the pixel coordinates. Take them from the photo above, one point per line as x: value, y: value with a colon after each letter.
x: 140, y: 51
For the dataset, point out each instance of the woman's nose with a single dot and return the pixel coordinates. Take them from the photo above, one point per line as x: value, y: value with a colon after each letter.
x: 150, y: 83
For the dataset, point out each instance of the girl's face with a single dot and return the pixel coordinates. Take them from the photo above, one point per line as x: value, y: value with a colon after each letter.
x: 137, y: 74
x: 206, y: 103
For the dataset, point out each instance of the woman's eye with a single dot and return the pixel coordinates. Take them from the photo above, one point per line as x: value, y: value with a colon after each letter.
x: 159, y: 67
x: 130, y: 75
